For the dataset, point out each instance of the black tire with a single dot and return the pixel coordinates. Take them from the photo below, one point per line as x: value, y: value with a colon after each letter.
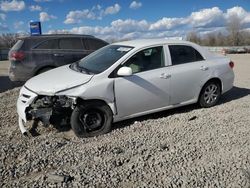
x: 91, y: 119
x: 210, y: 94
x: 45, y: 69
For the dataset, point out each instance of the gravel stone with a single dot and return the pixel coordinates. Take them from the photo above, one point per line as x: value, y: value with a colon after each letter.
x: 166, y: 149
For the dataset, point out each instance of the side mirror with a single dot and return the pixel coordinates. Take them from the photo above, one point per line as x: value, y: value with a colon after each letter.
x: 124, y: 71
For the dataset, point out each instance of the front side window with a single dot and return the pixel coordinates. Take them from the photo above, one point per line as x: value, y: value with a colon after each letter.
x: 71, y: 43
x: 147, y: 59
x: 48, y: 44
x: 103, y: 58
x: 181, y: 54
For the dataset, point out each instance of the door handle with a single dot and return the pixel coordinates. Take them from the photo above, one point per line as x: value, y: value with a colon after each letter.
x: 58, y: 55
x: 165, y: 76
x: 204, y: 68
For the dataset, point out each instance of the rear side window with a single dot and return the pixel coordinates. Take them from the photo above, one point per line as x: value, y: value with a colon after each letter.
x: 18, y: 45
x: 48, y: 44
x: 184, y: 54
x: 70, y: 43
x: 93, y: 44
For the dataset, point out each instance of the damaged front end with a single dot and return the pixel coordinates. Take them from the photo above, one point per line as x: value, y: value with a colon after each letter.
x: 50, y: 109
x: 47, y: 109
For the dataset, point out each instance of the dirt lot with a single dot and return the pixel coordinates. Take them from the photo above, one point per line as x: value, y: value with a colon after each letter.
x: 166, y: 149
x: 4, y: 65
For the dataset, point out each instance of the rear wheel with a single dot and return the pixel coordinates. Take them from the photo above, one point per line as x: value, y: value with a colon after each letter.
x: 210, y: 94
x: 91, y: 119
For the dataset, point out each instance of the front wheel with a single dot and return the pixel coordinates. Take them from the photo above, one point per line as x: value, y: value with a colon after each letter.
x: 210, y: 94
x: 91, y: 119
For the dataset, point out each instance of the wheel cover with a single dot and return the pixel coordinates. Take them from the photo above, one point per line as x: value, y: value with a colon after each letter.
x: 211, y: 93
x: 91, y: 120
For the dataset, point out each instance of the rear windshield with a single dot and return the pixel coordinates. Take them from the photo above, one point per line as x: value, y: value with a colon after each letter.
x: 18, y: 45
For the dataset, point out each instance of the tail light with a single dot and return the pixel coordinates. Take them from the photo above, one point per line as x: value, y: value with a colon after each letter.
x: 17, y: 56
x: 231, y: 64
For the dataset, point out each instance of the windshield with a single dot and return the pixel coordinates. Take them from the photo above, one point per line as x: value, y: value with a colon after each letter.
x: 102, y: 59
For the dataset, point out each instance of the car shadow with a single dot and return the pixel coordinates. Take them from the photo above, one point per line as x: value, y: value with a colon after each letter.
x: 234, y: 94
x: 6, y: 84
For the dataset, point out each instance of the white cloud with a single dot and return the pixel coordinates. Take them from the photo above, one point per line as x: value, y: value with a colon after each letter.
x: 76, y: 16
x: 129, y: 25
x: 95, y: 13
x: 167, y: 23
x: 204, y: 21
x: 44, y: 16
x: 18, y: 24
x: 112, y: 9
x: 98, y: 7
x: 135, y: 5
x: 12, y: 5
x: 206, y: 17
x: 241, y: 13
x: 35, y: 8
x: 41, y: 1
x: 2, y: 16
x: 3, y: 27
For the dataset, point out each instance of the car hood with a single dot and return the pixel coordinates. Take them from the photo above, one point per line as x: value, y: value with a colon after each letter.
x: 56, y: 80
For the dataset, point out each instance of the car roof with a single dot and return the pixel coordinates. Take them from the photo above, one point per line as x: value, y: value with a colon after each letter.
x: 55, y: 36
x: 141, y: 43
x: 150, y: 42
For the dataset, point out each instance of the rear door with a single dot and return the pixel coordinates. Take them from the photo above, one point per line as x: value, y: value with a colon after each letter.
x: 58, y: 52
x: 70, y: 50
x: 188, y: 71
x: 42, y: 53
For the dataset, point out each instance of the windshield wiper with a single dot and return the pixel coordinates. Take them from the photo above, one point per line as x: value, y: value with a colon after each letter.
x: 83, y: 69
x: 76, y: 67
x: 73, y: 66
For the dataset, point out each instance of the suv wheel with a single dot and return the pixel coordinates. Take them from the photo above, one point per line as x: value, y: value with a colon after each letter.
x: 91, y: 119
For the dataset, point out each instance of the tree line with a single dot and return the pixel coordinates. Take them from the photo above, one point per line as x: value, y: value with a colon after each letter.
x: 233, y: 36
x: 7, y: 40
x: 219, y: 39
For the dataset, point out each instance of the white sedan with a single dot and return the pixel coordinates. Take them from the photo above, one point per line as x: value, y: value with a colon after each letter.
x: 125, y: 80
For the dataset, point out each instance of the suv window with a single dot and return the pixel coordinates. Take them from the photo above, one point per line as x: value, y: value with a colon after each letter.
x: 48, y: 44
x: 70, y: 43
x: 184, y: 54
x: 18, y: 45
x: 147, y: 59
x: 93, y: 44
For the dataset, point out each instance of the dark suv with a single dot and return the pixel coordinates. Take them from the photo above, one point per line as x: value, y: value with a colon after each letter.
x: 36, y: 54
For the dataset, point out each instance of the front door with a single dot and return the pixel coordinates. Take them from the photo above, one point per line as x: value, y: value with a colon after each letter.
x: 148, y: 88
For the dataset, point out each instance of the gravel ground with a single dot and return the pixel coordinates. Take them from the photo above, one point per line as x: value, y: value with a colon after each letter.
x: 186, y: 147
